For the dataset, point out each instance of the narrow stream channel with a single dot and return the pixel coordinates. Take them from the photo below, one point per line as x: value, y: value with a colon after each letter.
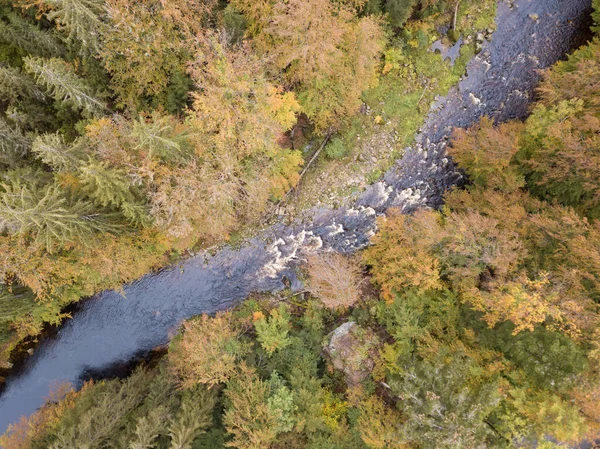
x: 112, y: 329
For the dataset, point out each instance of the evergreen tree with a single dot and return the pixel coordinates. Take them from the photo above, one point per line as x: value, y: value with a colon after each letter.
x: 158, y: 137
x: 52, y: 150
x: 443, y: 404
x: 149, y: 428
x: 63, y: 84
x: 272, y: 332
x: 193, y: 418
x: 81, y: 19
x: 399, y: 10
x: 13, y: 145
x: 15, y: 85
x: 111, y: 187
x: 15, y: 302
x: 47, y: 215
x: 107, y: 186
x: 142, y: 49
x: 248, y: 416
x: 96, y: 421
x: 24, y: 35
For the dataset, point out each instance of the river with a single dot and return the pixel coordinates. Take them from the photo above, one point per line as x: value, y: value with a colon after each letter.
x: 112, y: 329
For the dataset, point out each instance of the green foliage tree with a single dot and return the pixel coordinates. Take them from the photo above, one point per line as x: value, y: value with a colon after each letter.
x: 13, y: 144
x: 148, y: 428
x: 248, y: 416
x: 15, y: 302
x: 52, y: 150
x: 159, y: 137
x: 141, y: 49
x: 193, y: 418
x: 559, y: 155
x: 110, y: 187
x: 596, y: 15
x: 399, y: 10
x: 81, y: 20
x: 550, y: 360
x: 97, y: 418
x: 15, y: 85
x: 272, y: 331
x: 444, y: 406
x: 63, y: 84
x: 48, y: 216
x: 28, y: 37
x: 282, y: 403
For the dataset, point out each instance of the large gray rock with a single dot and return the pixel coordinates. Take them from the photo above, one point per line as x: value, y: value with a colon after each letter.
x: 352, y: 350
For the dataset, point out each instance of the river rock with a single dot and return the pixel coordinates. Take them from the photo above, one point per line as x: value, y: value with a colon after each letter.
x: 352, y: 350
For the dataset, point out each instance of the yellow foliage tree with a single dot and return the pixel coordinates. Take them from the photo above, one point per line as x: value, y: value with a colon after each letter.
x: 208, y: 350
x: 398, y: 260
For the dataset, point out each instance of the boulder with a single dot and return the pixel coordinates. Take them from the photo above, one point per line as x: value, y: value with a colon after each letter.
x: 352, y: 350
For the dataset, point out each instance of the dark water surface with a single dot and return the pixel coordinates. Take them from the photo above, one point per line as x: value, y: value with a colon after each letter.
x: 112, y: 329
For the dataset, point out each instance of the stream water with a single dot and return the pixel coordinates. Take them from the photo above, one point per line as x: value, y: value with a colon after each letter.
x: 112, y: 329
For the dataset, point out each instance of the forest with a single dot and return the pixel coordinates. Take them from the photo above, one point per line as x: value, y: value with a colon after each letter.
x: 133, y: 131
x: 473, y: 326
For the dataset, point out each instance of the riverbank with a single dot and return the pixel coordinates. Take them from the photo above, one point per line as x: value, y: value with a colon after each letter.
x: 371, y: 141
x: 412, y: 72
x: 111, y: 328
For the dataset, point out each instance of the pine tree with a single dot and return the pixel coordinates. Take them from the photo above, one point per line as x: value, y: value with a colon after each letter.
x: 81, y: 19
x: 444, y: 404
x: 596, y: 15
x: 399, y: 10
x: 47, y: 215
x: 248, y: 416
x: 13, y: 144
x: 107, y: 186
x: 14, y: 84
x: 158, y: 137
x: 15, y: 301
x: 52, y: 150
x: 111, y: 187
x: 148, y: 428
x: 142, y: 50
x: 96, y: 421
x: 26, y: 36
x: 154, y: 416
x: 63, y: 84
x: 193, y: 418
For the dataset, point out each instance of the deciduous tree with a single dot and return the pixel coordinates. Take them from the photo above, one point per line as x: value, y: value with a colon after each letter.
x: 334, y: 279
x: 208, y: 350
x: 248, y: 416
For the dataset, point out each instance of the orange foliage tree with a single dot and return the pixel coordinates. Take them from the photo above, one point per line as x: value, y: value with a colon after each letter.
x: 334, y: 279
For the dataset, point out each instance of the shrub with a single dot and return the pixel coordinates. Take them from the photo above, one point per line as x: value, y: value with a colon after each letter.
x: 336, y: 149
